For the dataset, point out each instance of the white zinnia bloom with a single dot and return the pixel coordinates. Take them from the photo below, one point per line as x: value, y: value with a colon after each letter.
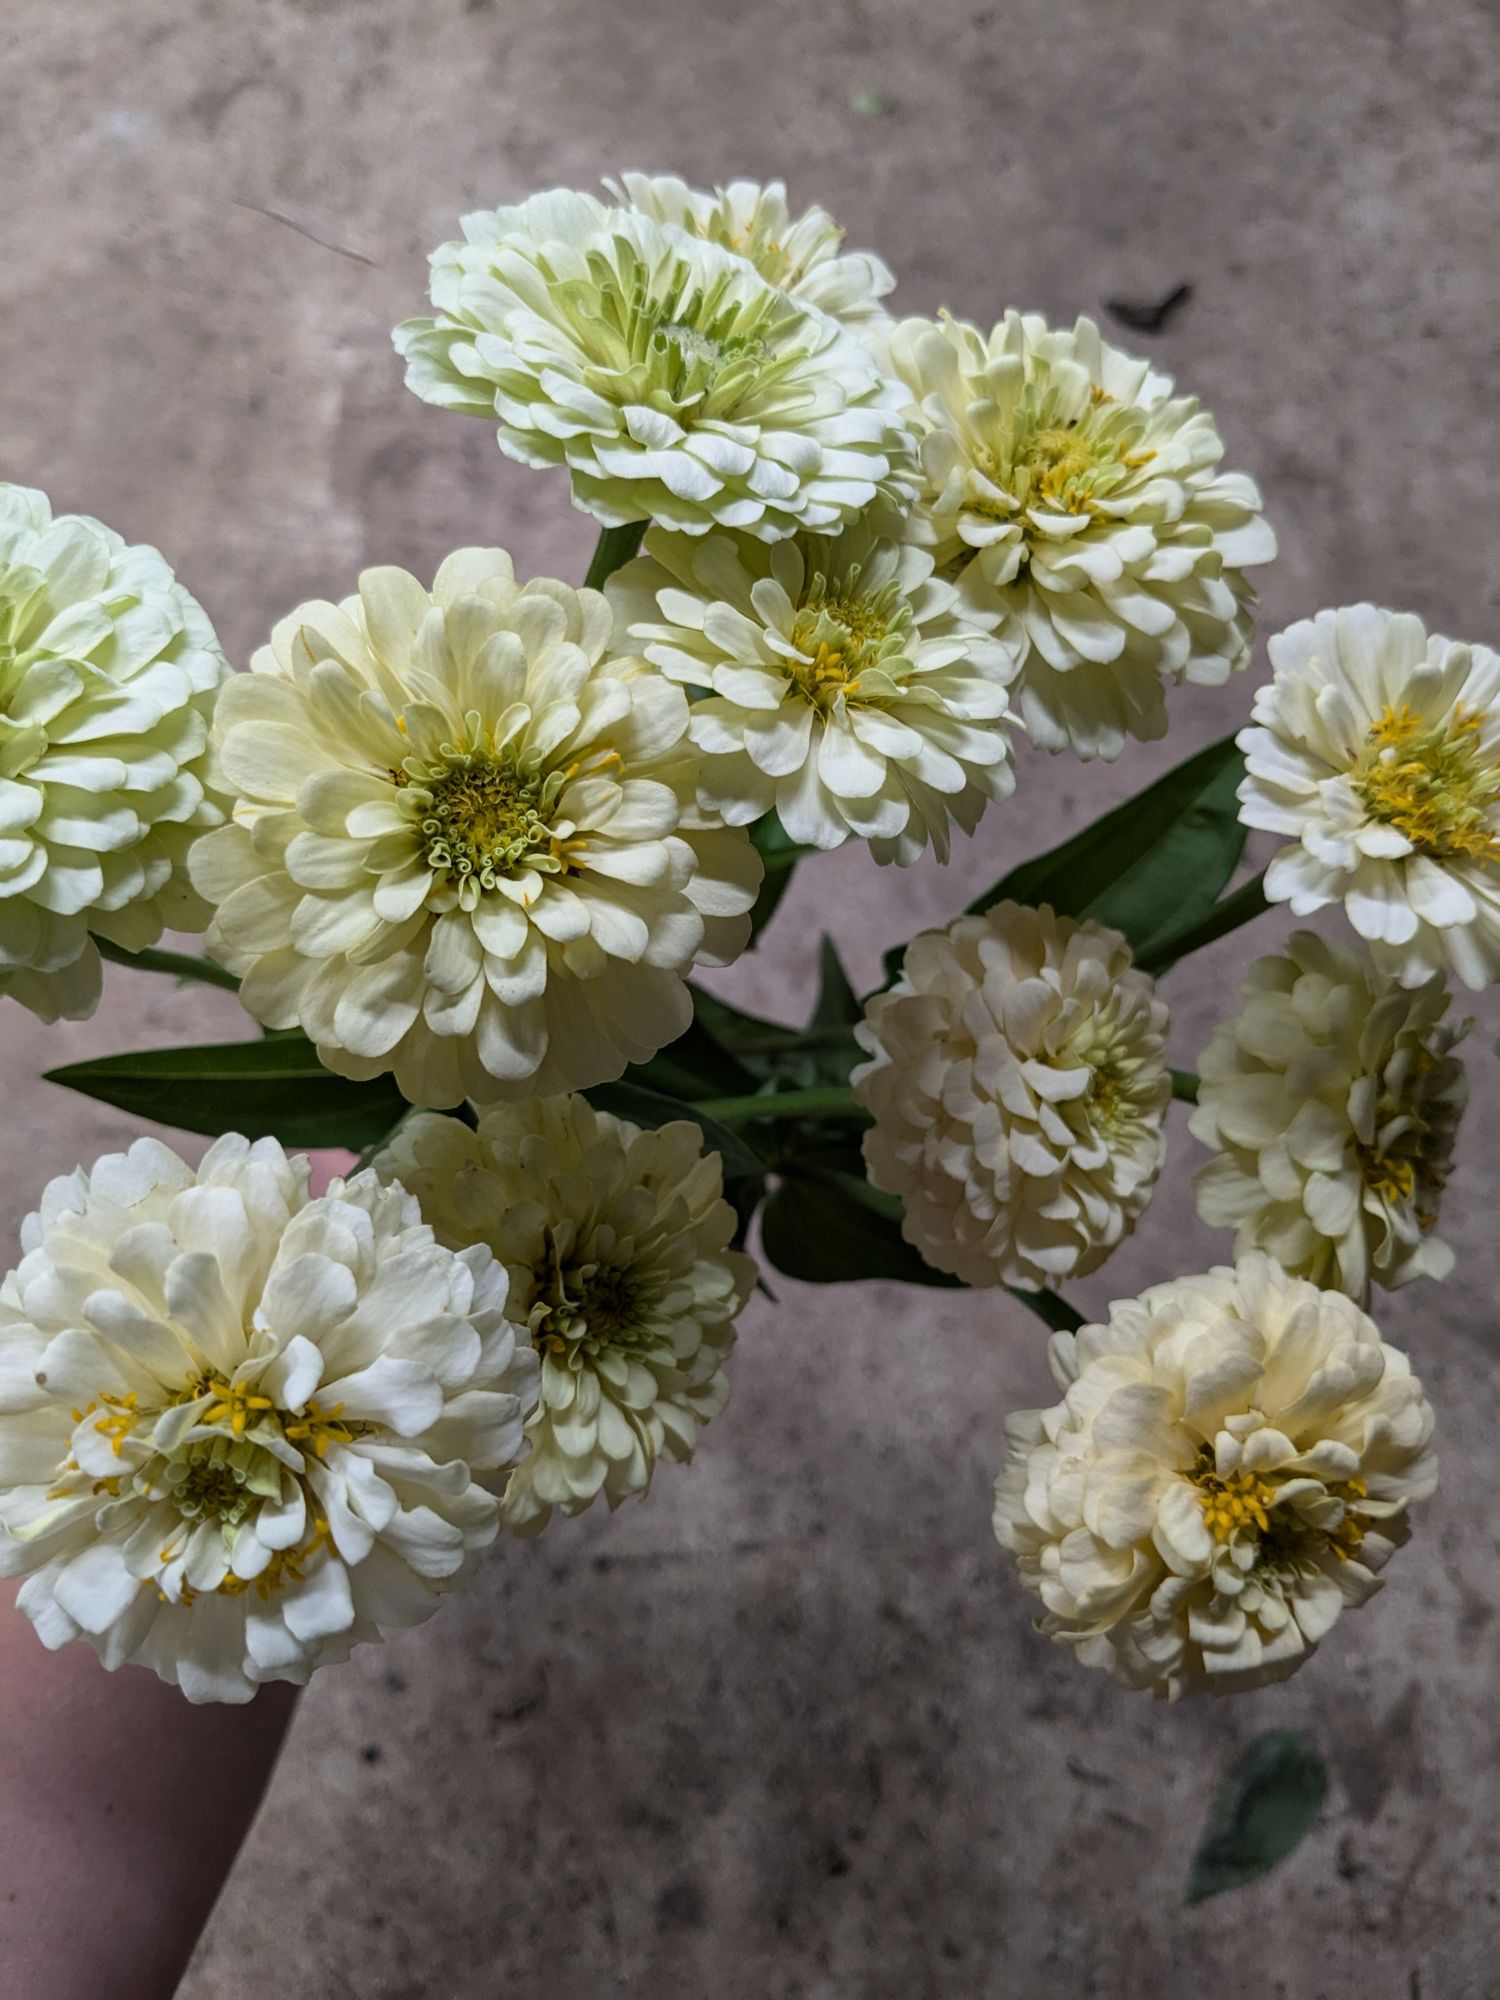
x: 465, y: 847
x: 842, y: 687
x: 1378, y: 751
x: 1230, y: 1465
x: 664, y: 372
x: 240, y: 1429
x: 1019, y: 1089
x: 1068, y: 485
x: 617, y: 1244
x: 108, y: 671
x: 804, y: 258
x: 1332, y: 1101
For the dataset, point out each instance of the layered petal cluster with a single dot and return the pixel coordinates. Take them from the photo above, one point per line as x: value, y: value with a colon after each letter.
x: 1376, y: 749
x: 617, y: 1242
x: 1067, y: 485
x: 1332, y: 1102
x: 1019, y: 1088
x: 465, y: 847
x: 108, y: 671
x: 671, y: 379
x: 240, y: 1430
x: 803, y: 257
x: 840, y: 684
x: 1230, y: 1466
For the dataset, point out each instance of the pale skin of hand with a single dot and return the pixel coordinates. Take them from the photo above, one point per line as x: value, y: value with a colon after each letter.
x: 122, y: 1807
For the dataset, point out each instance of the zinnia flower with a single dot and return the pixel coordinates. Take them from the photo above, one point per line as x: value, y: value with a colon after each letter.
x: 1230, y: 1466
x: 1378, y: 751
x: 842, y: 687
x: 108, y: 671
x: 664, y: 372
x: 1332, y: 1102
x: 617, y: 1244
x: 465, y: 847
x: 240, y: 1429
x: 1018, y: 1084
x: 1066, y: 484
x: 805, y: 259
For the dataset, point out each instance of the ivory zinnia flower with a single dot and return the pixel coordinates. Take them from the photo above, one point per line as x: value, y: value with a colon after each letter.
x: 1378, y: 751
x: 664, y: 372
x: 465, y: 847
x: 1067, y: 485
x: 804, y: 258
x: 108, y: 671
x: 617, y: 1245
x: 841, y: 686
x: 240, y: 1429
x: 1230, y: 1466
x: 1332, y: 1102
x: 1018, y: 1084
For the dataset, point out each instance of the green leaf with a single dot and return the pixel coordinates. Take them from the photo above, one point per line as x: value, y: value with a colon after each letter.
x: 1267, y: 1804
x: 270, y: 1088
x: 780, y: 854
x: 775, y: 1053
x: 650, y: 1108
x: 837, y: 1006
x: 697, y: 1064
x: 825, y: 1224
x: 1149, y: 868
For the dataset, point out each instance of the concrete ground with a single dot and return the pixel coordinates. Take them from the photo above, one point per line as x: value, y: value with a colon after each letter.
x: 784, y: 1731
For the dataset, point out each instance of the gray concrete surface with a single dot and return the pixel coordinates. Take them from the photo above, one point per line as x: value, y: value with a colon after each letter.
x: 784, y: 1731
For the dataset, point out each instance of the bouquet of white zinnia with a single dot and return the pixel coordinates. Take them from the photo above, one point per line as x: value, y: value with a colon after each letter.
x: 463, y: 847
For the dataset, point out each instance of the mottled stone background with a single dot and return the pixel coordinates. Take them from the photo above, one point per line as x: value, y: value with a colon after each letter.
x: 785, y: 1731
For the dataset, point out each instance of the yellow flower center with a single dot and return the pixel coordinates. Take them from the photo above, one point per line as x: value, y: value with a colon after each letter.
x: 1240, y: 1501
x: 1244, y: 1502
x: 220, y: 1479
x: 1433, y: 782
x: 1060, y: 459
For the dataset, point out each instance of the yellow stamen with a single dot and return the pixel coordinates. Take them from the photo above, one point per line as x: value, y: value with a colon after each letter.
x: 1433, y: 782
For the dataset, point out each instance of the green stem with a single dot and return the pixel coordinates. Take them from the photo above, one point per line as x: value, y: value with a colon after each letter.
x: 828, y: 1102
x: 614, y: 548
x: 1246, y: 903
x: 177, y: 963
x: 1184, y: 1085
x: 1059, y: 1315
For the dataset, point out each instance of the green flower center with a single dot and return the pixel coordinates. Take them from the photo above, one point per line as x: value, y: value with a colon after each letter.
x: 693, y: 361
x: 1434, y: 783
x: 483, y: 817
x: 1059, y: 458
x: 217, y: 1481
x: 853, y: 644
x: 664, y: 332
x: 588, y: 1307
x: 21, y: 593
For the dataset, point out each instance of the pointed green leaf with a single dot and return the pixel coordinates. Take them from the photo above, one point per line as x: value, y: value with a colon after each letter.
x: 826, y: 1225
x: 837, y: 1006
x: 273, y: 1087
x: 1152, y: 866
x: 1266, y: 1806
